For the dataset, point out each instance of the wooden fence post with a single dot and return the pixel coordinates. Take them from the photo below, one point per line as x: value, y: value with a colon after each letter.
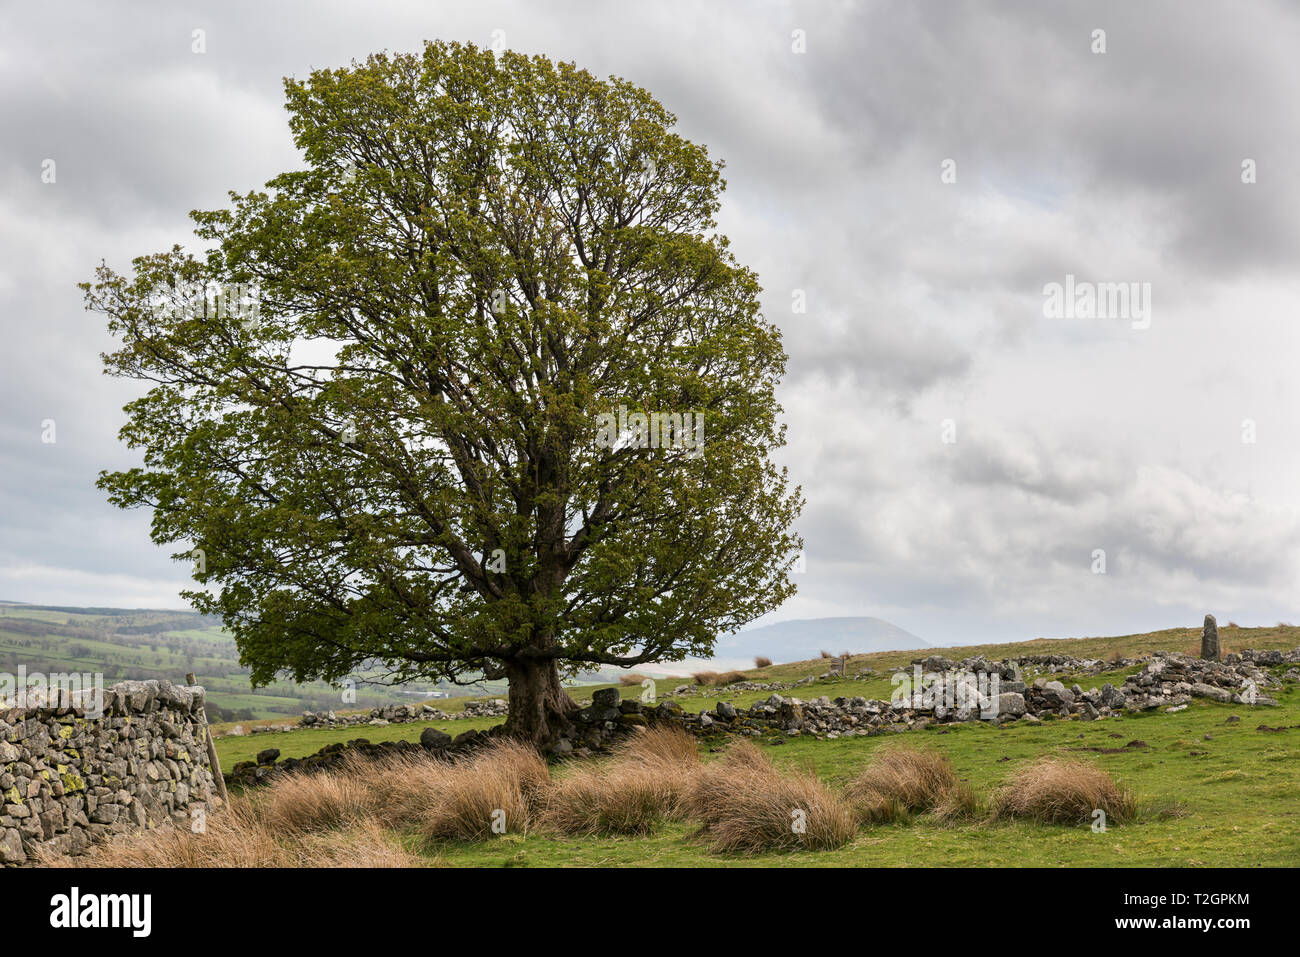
x: 212, y: 747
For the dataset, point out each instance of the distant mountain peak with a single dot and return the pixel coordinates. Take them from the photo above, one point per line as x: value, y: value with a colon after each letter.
x: 804, y: 638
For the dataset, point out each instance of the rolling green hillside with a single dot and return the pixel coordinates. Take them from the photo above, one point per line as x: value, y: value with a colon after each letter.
x: 140, y: 643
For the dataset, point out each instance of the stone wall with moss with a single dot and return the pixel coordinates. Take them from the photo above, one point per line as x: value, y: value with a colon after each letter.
x: 69, y: 778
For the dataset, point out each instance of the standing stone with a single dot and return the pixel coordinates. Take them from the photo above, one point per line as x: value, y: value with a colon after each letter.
x: 1210, y: 639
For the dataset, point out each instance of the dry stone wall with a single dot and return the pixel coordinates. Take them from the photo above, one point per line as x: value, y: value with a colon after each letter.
x: 71, y: 775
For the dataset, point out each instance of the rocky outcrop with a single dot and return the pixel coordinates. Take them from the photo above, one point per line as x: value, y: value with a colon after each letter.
x: 1166, y: 679
x: 1172, y: 679
x: 398, y: 714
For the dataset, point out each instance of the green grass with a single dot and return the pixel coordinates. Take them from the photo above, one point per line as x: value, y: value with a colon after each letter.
x: 299, y: 744
x: 1231, y: 800
x: 1238, y: 797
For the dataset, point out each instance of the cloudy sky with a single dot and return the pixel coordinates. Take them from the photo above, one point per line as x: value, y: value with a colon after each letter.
x: 917, y: 173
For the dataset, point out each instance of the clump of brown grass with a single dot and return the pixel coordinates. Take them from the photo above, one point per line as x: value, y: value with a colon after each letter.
x: 900, y: 781
x: 338, y: 817
x: 745, y: 805
x: 666, y: 747
x: 363, y: 844
x: 761, y: 661
x: 645, y: 782
x: 504, y: 782
x: 238, y: 837
x: 670, y: 755
x: 713, y: 678
x: 396, y: 790
x: 402, y: 788
x: 1061, y: 791
x: 632, y: 680
x: 959, y: 803
x: 622, y: 799
x: 826, y: 654
x: 314, y: 801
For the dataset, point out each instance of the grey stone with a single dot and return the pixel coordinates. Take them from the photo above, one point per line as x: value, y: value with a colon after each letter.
x: 605, y: 698
x: 1202, y: 690
x: 11, y: 847
x: 435, y: 739
x: 1010, y: 702
x: 1210, y: 639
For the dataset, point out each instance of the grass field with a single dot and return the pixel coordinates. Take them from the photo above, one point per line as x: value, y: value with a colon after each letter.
x: 1237, y: 797
x: 1212, y: 792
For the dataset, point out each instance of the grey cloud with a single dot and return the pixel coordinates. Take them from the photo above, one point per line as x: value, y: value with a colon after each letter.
x: 924, y: 300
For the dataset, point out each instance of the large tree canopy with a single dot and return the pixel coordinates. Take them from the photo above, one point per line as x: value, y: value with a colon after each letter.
x: 383, y: 422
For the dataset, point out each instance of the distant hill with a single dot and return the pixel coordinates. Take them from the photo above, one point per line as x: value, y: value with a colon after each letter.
x: 132, y: 643
x: 807, y: 637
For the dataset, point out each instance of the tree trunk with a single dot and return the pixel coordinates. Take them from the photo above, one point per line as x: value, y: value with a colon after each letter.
x: 539, y: 705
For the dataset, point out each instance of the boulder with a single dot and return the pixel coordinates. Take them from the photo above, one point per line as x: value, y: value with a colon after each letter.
x: 1009, y: 702
x: 11, y: 847
x: 467, y: 739
x: 604, y: 699
x: 1111, y: 696
x: 435, y: 739
x: 1202, y: 690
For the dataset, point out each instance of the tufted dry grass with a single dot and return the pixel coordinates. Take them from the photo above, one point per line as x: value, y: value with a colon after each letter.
x: 344, y: 817
x: 1061, y: 791
x: 901, y: 781
x: 402, y: 789
x: 667, y: 747
x: 645, y: 782
x: 746, y: 806
x: 396, y: 790
x: 505, y: 781
x: 623, y: 799
x: 298, y: 803
x: 239, y: 837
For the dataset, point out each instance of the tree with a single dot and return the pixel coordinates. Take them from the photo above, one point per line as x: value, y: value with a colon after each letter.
x: 406, y: 405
